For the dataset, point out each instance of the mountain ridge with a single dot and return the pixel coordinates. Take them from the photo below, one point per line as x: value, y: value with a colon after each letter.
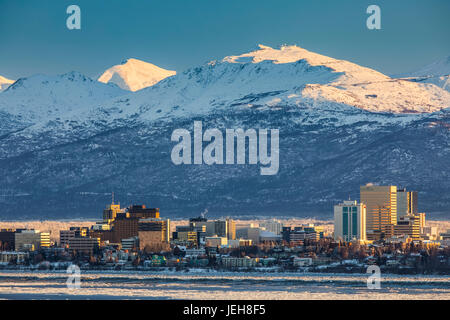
x: 437, y: 73
x: 67, y: 163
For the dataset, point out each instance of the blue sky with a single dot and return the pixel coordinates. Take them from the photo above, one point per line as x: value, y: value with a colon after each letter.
x: 177, y: 34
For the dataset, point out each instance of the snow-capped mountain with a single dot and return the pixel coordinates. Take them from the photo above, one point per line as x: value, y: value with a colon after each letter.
x: 341, y: 125
x: 352, y: 84
x: 43, y: 98
x: 287, y: 76
x: 133, y: 75
x: 5, y: 83
x: 437, y: 73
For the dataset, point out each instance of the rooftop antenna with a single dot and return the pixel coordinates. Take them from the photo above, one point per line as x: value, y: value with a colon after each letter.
x: 112, y: 197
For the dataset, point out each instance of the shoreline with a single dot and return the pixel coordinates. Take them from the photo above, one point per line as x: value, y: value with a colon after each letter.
x: 210, y: 271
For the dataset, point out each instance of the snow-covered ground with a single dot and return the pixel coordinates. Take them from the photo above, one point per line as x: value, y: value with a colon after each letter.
x: 235, y: 286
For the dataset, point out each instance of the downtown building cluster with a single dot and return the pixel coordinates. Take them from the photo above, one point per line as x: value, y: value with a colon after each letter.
x: 384, y: 213
x: 384, y: 228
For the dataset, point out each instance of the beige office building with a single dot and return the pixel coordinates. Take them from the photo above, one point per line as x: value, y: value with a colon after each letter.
x: 153, y: 231
x: 381, y: 207
x: 406, y: 225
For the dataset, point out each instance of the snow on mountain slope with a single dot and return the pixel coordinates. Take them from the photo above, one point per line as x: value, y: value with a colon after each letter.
x: 276, y: 78
x: 331, y: 141
x: 40, y: 97
x: 135, y: 74
x: 357, y: 86
x: 265, y: 79
x: 437, y: 73
x: 5, y: 83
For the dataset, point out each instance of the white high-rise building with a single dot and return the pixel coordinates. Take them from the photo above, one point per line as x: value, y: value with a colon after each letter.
x: 350, y: 221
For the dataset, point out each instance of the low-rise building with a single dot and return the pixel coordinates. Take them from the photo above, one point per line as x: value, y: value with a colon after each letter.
x: 252, y: 233
x: 216, y: 241
x: 302, y: 262
x: 408, y: 225
x: 13, y: 256
x: 187, y: 235
x: 233, y: 262
x: 267, y: 236
x: 7, y: 240
x: 445, y: 235
x: 429, y: 233
x: 84, y: 244
x: 297, y: 235
x: 194, y: 252
x: 239, y: 243
x: 130, y: 244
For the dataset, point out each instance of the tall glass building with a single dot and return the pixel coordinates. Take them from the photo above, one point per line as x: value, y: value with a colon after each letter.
x: 381, y: 204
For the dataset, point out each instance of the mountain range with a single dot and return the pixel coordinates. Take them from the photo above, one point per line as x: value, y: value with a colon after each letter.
x: 68, y: 141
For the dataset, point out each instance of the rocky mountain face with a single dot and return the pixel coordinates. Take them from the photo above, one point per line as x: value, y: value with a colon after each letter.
x: 341, y: 125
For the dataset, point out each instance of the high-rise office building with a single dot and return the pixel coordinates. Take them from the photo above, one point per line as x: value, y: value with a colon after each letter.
x: 231, y: 229
x: 381, y: 207
x: 273, y: 225
x: 216, y: 228
x: 30, y: 239
x: 350, y: 221
x: 83, y: 244
x: 406, y: 202
x: 123, y: 223
x: 111, y: 211
x: 153, y: 231
x: 221, y: 228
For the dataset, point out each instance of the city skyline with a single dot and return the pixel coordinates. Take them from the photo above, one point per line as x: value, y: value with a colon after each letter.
x: 242, y: 151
